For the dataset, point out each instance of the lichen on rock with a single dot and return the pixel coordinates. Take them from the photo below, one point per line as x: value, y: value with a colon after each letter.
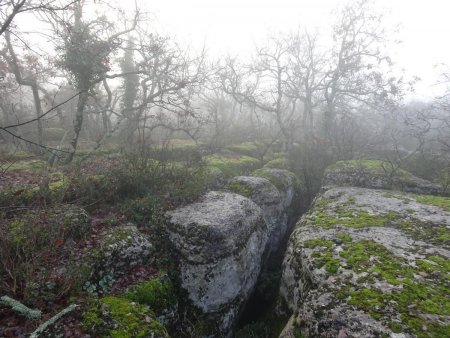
x: 121, y: 249
x: 368, y: 263
x: 221, y: 240
x: 377, y: 174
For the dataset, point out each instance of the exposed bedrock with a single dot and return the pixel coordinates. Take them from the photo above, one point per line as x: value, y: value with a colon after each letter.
x: 369, y: 263
x: 223, y: 241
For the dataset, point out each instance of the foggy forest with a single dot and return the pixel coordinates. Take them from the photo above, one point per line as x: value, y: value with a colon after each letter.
x: 153, y: 185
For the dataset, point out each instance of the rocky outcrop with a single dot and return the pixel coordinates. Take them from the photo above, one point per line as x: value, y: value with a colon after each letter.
x: 224, y: 239
x: 261, y: 191
x: 221, y: 240
x: 121, y: 249
x: 377, y: 175
x: 285, y: 181
x: 369, y: 263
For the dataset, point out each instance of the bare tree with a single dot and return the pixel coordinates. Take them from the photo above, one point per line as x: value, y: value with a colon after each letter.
x: 358, y: 73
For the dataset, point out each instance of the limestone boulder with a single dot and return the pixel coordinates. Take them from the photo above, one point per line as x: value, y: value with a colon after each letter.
x: 377, y: 175
x: 221, y: 240
x: 261, y: 191
x: 369, y: 263
x: 285, y: 181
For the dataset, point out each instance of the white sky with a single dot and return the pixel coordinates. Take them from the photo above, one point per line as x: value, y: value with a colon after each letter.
x: 233, y: 26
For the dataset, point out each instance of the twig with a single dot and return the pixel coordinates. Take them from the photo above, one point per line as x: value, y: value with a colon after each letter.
x: 52, y: 320
x: 19, y: 307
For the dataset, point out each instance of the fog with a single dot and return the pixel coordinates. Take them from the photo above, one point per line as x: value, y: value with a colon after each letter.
x: 196, y: 168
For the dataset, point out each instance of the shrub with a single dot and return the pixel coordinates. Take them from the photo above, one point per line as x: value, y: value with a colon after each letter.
x: 32, y: 244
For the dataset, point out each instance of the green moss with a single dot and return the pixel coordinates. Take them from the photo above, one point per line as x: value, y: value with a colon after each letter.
x: 427, y: 295
x: 363, y: 219
x: 27, y: 165
x: 246, y: 148
x: 276, y: 181
x: 312, y: 243
x: 233, y: 166
x: 345, y: 237
x: 157, y: 293
x: 241, y: 188
x: 426, y: 231
x: 119, y: 317
x: 366, y: 164
x: 352, y: 219
x: 396, y: 327
x: 279, y: 163
x: 323, y: 219
x: 439, y: 201
x: 323, y: 257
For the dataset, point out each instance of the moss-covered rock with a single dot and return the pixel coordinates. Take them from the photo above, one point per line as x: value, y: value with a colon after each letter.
x: 220, y: 240
x: 279, y: 163
x: 246, y: 148
x: 233, y: 166
x: 157, y: 293
x: 368, y: 262
x: 121, y: 249
x: 378, y: 175
x: 285, y: 181
x: 121, y: 318
x: 274, y: 203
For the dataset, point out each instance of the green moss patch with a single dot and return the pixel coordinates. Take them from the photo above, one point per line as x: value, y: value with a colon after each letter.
x: 281, y: 182
x: 416, y: 290
x: 241, y: 188
x: 157, y: 293
x: 233, y: 166
x: 246, y: 148
x: 27, y: 165
x: 279, y: 163
x: 121, y: 317
x: 438, y: 201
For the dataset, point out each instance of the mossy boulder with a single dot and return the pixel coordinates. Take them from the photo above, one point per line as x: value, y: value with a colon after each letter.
x: 220, y: 241
x: 245, y: 148
x: 377, y: 175
x: 121, y: 249
x: 369, y: 263
x: 285, y: 181
x: 159, y: 294
x: 274, y: 203
x: 119, y: 317
x: 232, y: 166
x: 279, y: 163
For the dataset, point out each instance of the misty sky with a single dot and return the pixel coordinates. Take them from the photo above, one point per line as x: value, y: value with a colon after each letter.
x: 233, y: 26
